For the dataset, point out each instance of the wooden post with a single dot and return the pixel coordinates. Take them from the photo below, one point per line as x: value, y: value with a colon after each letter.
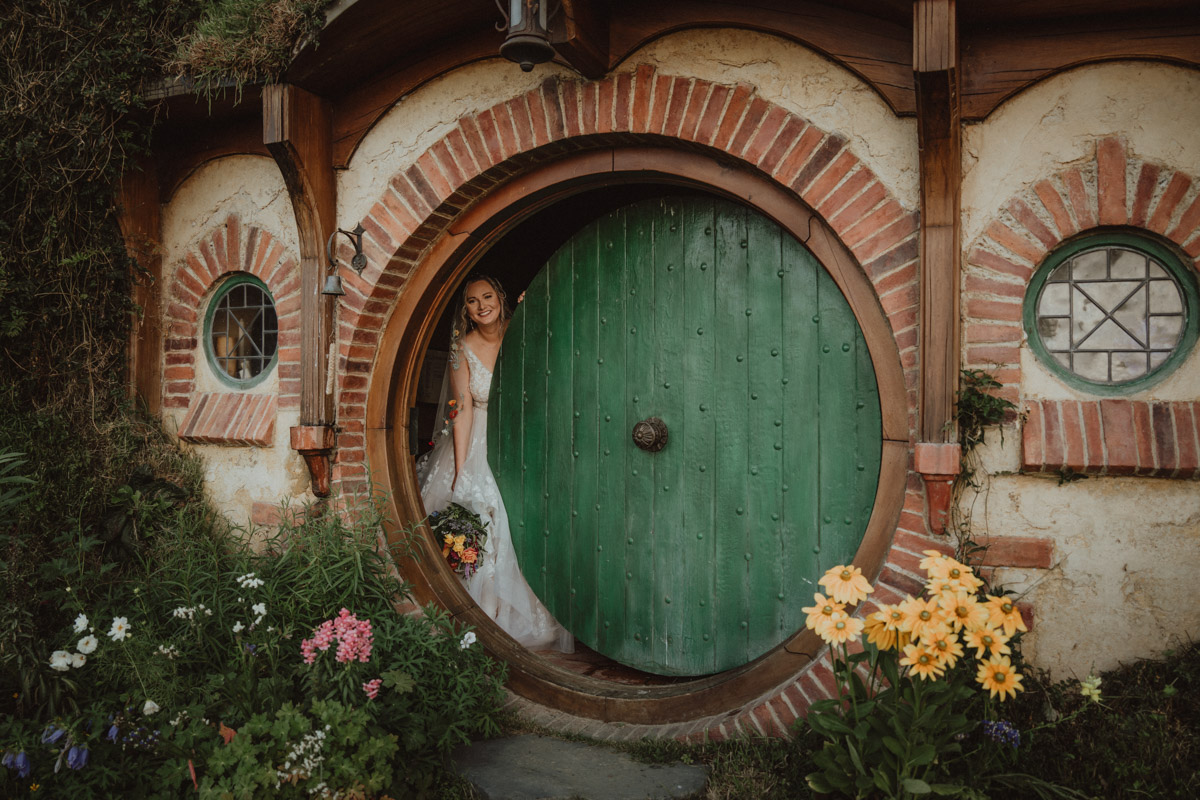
x: 140, y: 218
x: 580, y: 37
x: 935, y: 62
x: 298, y: 132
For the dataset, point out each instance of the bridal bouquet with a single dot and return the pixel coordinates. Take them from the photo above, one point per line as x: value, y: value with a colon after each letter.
x: 462, y: 534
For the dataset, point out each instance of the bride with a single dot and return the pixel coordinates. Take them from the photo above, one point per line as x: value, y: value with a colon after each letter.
x: 457, y: 471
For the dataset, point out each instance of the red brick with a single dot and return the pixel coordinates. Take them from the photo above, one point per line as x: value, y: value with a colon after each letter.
x: 1117, y: 419
x: 1146, y: 184
x: 1163, y: 424
x: 642, y: 90
x: 680, y: 91
x: 1053, y: 203
x: 604, y: 105
x: 979, y: 284
x: 831, y: 177
x: 484, y: 144
x: 1185, y: 440
x: 552, y: 105
x: 1188, y: 222
x: 659, y: 103
x: 980, y: 332
x: 732, y: 116
x: 1110, y: 169
x: 1094, y: 435
x: 518, y: 110
x: 873, y: 223
x: 432, y: 172
x: 233, y: 242
x: 767, y: 722
x: 891, y: 280
x: 403, y: 222
x: 1032, y: 451
x: 622, y: 100
x: 693, y: 110
x: 997, y: 263
x: 754, y: 117
x: 538, y: 127
x: 849, y: 216
x: 1145, y: 438
x: 981, y: 308
x: 1072, y: 434
x: 711, y: 117
x: 587, y: 108
x: 821, y: 158
x: 799, y: 154
x: 1192, y: 248
x: 795, y: 697
x: 1015, y: 243
x: 1032, y: 223
x: 859, y: 180
x: 1027, y: 552
x: 1081, y: 204
x: 1169, y: 201
x: 179, y: 373
x: 182, y: 312
x: 1026, y: 610
x: 764, y: 140
x: 1053, y: 453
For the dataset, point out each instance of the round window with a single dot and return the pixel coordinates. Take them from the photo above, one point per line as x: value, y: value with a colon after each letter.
x: 1112, y: 313
x: 242, y: 331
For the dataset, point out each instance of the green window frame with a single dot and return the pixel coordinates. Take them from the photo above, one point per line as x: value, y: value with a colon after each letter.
x: 1112, y: 313
x: 241, y: 332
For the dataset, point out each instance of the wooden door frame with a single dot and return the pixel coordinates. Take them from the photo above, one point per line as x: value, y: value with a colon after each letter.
x: 405, y: 338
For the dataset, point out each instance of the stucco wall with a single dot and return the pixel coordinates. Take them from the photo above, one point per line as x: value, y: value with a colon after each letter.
x: 1119, y: 587
x: 251, y: 188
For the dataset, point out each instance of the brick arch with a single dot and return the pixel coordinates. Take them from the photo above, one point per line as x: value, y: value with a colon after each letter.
x: 226, y: 249
x: 1112, y: 187
x: 643, y: 107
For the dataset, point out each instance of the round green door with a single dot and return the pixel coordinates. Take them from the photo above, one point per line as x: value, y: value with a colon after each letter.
x: 697, y: 557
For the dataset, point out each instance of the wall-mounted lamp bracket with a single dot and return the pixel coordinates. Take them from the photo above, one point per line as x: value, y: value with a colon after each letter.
x: 333, y: 283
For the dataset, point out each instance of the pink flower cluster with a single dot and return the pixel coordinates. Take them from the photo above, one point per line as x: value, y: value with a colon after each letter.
x: 352, y: 635
x: 372, y: 687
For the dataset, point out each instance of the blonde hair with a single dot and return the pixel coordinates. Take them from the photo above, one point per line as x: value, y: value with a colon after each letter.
x: 462, y: 320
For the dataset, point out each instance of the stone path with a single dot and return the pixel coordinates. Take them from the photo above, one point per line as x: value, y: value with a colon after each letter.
x: 542, y: 768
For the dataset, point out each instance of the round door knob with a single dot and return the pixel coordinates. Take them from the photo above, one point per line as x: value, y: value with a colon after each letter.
x: 650, y: 434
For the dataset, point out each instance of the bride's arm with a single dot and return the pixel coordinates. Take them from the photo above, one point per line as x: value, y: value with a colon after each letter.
x: 460, y: 390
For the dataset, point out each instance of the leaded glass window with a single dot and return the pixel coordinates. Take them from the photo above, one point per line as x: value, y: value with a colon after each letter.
x: 242, y: 332
x: 1112, y: 312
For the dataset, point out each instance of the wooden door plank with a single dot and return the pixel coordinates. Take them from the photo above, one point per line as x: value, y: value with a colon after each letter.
x: 585, y: 411
x: 802, y: 417
x: 613, y: 437
x: 559, y: 417
x: 868, y: 446
x: 533, y: 557
x: 667, y: 403
x: 764, y: 544
x: 639, y: 491
x: 730, y: 623
x: 835, y: 393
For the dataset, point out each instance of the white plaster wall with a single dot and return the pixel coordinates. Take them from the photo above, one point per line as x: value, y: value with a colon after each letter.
x: 252, y: 188
x: 1123, y: 586
x: 783, y: 72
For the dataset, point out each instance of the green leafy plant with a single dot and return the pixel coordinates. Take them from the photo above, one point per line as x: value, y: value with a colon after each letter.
x: 976, y: 409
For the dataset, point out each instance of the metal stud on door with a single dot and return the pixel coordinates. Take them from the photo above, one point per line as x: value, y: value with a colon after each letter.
x: 687, y: 433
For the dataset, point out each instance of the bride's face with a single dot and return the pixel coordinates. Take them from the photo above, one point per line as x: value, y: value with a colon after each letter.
x: 483, y: 303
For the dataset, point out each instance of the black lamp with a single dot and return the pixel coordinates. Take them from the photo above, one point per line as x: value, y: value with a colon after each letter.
x: 528, y: 40
x: 333, y: 282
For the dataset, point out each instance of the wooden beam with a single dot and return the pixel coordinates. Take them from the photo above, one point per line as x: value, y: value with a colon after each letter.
x: 140, y: 218
x: 580, y: 36
x: 935, y: 62
x: 298, y: 132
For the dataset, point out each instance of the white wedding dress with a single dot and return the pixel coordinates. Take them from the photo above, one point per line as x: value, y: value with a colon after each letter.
x: 497, y: 585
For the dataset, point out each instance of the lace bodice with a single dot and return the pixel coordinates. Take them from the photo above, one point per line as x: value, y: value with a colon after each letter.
x: 481, y: 379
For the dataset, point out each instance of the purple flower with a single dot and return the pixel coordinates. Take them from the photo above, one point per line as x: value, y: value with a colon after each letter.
x: 9, y: 759
x: 1002, y: 732
x: 112, y: 733
x: 52, y: 734
x: 77, y: 757
x: 21, y: 762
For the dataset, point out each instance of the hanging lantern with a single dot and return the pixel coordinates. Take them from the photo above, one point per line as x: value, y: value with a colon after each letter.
x: 528, y: 40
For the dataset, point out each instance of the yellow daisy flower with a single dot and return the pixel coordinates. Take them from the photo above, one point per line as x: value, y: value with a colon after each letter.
x: 841, y: 628
x: 878, y: 633
x: 846, y: 584
x: 932, y: 557
x: 922, y: 661
x: 999, y: 678
x: 947, y: 568
x: 945, y: 645
x: 921, y: 616
x: 1003, y: 613
x: 987, y: 642
x: 964, y: 610
x: 820, y: 612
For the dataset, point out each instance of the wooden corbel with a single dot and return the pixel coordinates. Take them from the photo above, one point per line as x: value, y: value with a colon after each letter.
x: 298, y: 132
x: 580, y: 36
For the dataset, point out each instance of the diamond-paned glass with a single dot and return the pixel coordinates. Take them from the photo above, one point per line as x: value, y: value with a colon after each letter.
x: 243, y: 331
x: 1111, y: 314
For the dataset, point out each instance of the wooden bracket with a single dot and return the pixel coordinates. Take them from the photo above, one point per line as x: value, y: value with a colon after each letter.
x: 935, y: 63
x: 298, y: 132
x: 939, y: 464
x: 580, y: 36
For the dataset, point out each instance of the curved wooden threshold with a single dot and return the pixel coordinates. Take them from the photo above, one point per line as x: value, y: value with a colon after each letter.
x: 406, y: 337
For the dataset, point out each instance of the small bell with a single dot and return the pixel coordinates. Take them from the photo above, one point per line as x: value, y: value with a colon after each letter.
x: 333, y: 286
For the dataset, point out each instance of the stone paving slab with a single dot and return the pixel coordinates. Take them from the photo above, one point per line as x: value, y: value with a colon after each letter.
x: 532, y: 767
